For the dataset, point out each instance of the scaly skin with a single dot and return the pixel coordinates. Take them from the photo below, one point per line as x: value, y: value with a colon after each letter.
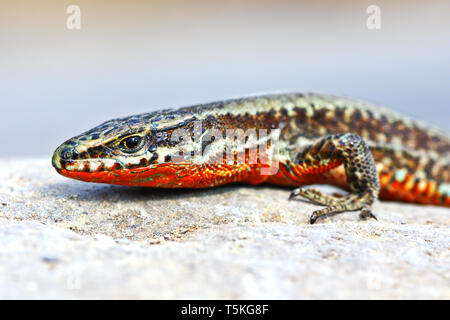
x: 366, y: 149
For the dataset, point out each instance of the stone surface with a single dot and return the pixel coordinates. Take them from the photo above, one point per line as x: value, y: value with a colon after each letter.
x: 62, y: 238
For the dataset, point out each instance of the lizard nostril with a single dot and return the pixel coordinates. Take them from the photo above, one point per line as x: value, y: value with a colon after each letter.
x: 66, y: 154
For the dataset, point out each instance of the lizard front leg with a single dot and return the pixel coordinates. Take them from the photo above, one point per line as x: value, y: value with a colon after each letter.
x: 362, y: 177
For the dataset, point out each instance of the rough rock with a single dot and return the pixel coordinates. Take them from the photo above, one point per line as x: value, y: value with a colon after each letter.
x: 67, y: 239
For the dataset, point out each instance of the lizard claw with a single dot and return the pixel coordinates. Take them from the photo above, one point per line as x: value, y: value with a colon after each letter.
x: 366, y: 214
x: 313, y: 219
x: 293, y: 194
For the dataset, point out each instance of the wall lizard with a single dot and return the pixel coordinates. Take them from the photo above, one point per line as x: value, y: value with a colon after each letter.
x: 368, y: 150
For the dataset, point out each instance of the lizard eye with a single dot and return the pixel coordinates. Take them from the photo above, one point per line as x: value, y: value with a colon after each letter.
x: 131, y: 144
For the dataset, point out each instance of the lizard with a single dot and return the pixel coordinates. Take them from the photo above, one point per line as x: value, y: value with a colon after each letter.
x: 300, y: 139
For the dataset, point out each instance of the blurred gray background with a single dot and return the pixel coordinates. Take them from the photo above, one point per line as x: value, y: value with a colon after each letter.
x: 138, y: 56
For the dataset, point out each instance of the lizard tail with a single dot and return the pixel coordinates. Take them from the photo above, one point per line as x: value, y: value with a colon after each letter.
x: 416, y: 179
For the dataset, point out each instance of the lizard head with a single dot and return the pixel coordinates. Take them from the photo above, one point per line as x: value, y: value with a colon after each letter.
x: 129, y: 151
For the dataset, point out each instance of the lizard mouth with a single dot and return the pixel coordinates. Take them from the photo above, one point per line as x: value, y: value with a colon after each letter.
x: 92, y: 170
x: 111, y: 171
x: 68, y: 158
x: 161, y: 175
x: 89, y: 170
